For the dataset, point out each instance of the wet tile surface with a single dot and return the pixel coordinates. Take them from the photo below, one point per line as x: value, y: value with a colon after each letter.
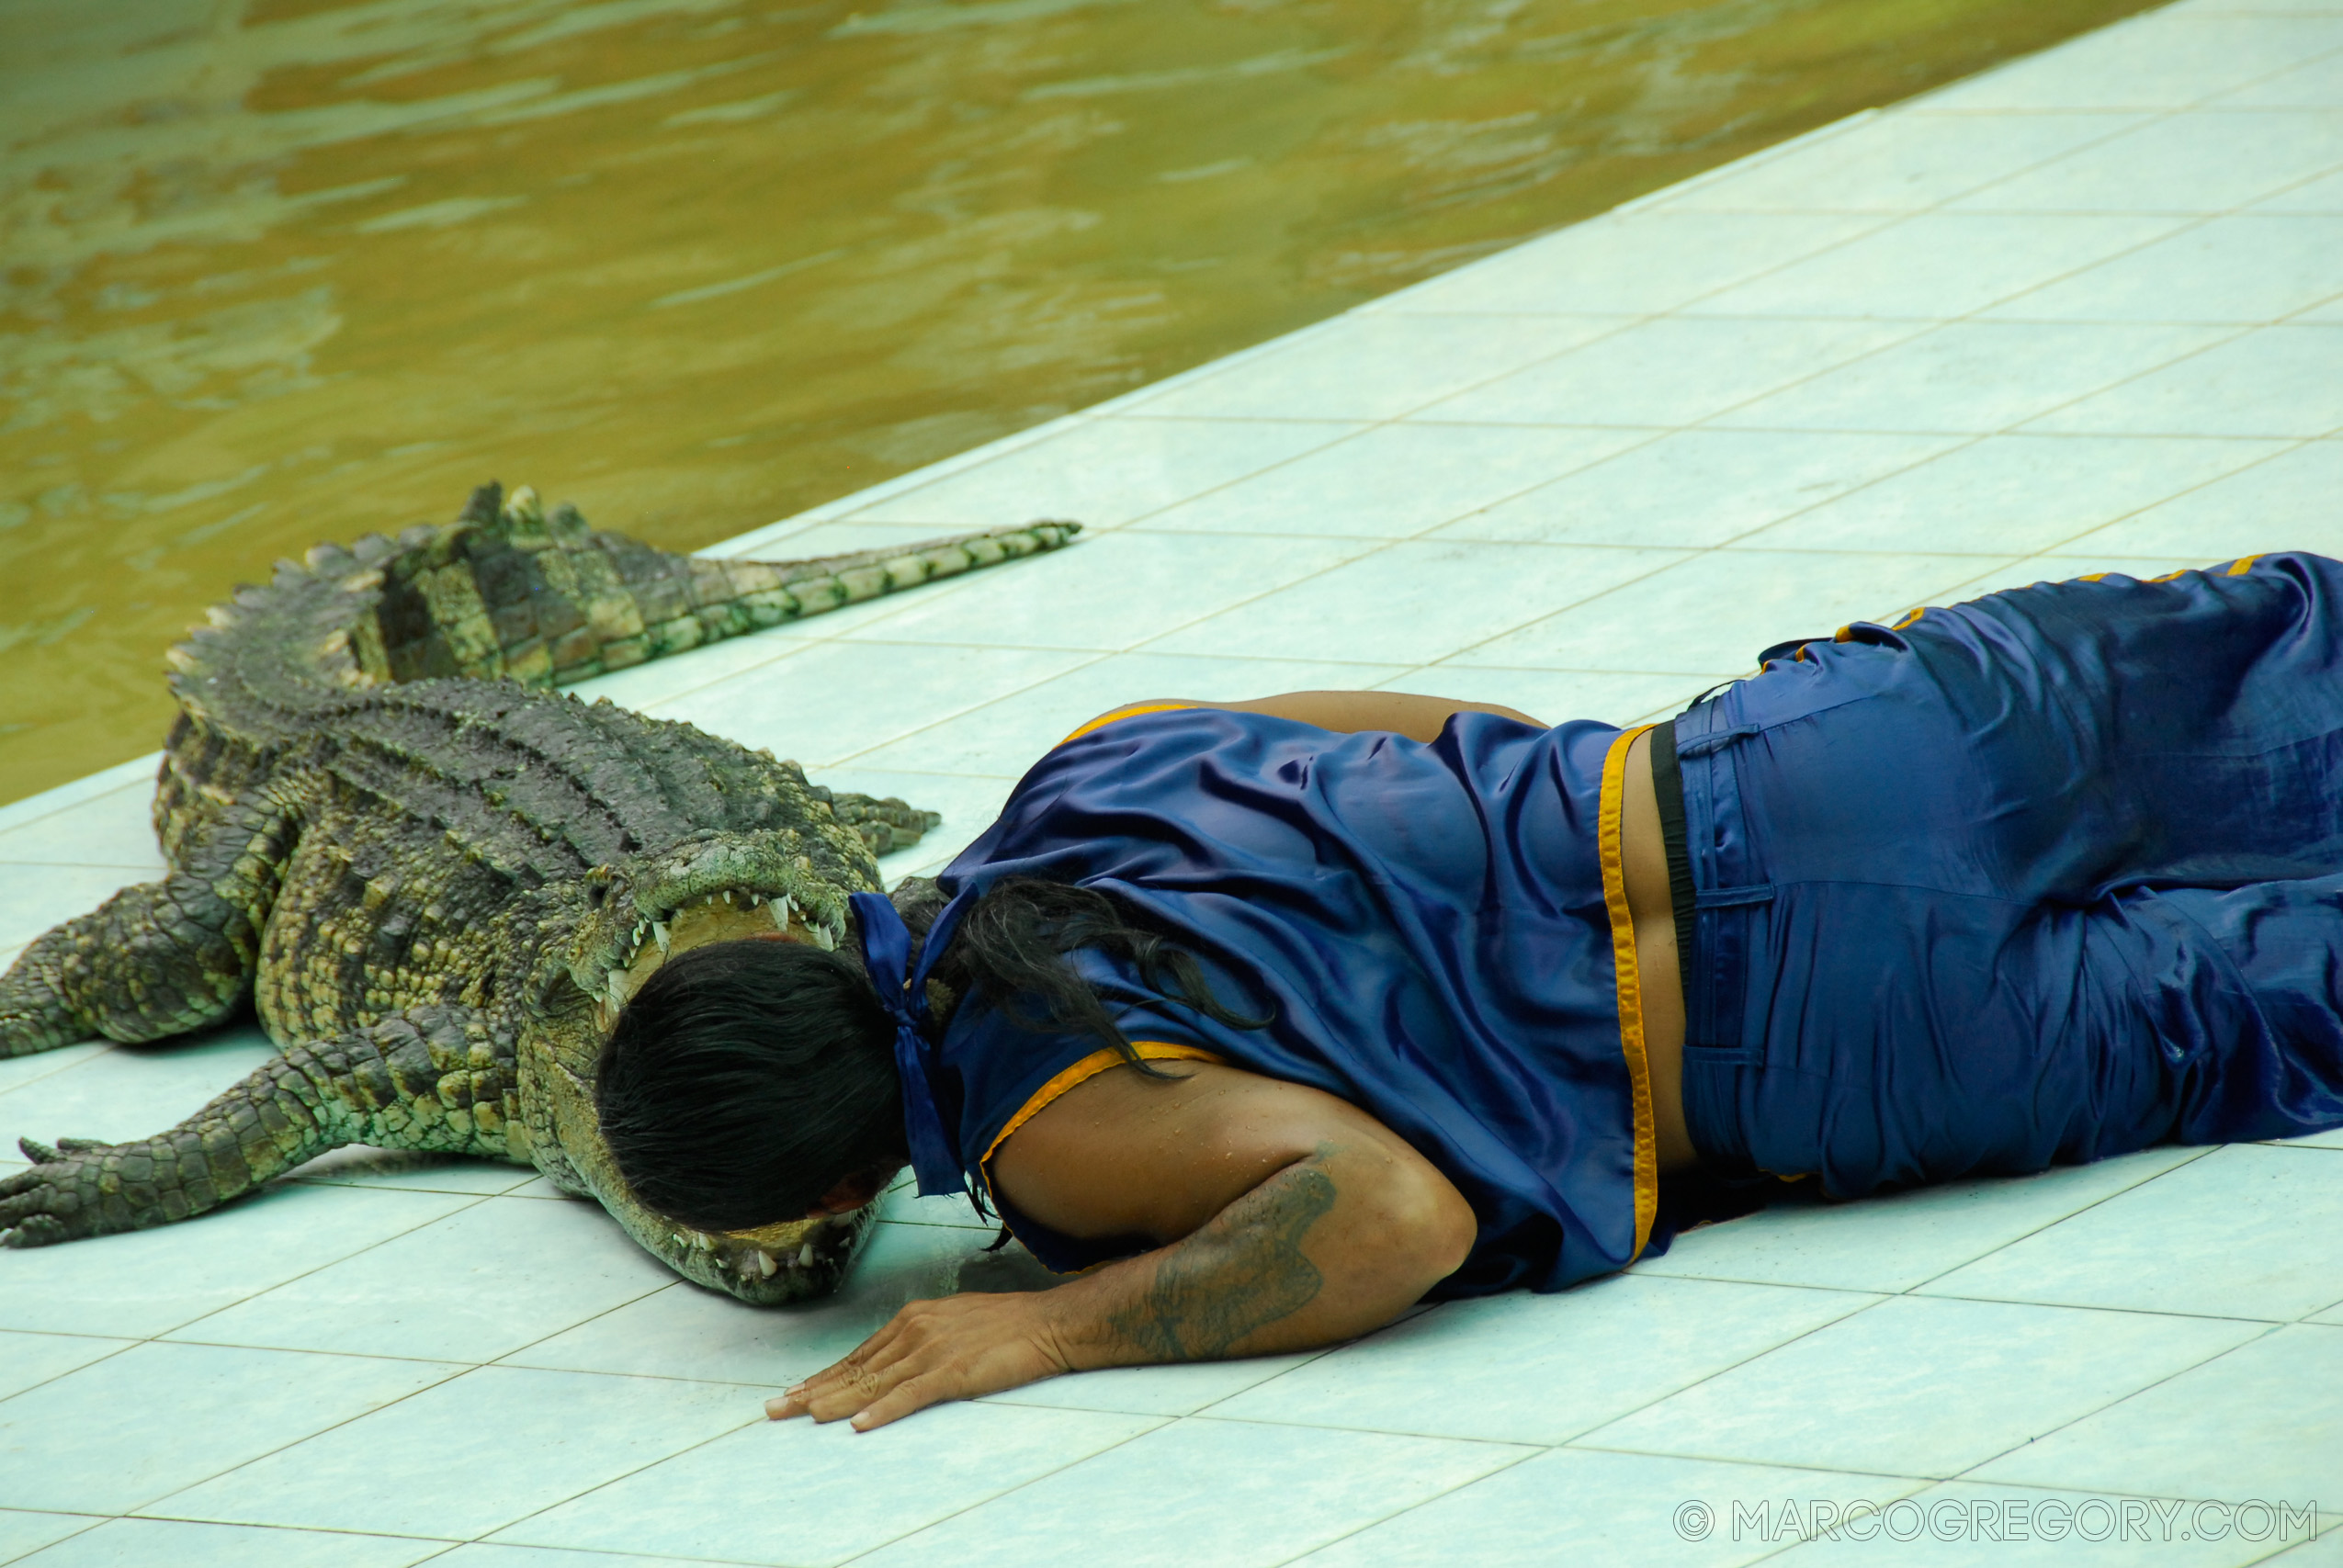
x: 1573, y: 1505
x: 469, y: 1456
x: 498, y: 1274
x: 1900, y: 1242
x: 1921, y: 1387
x: 793, y: 1493
x: 1524, y: 1368
x: 682, y: 1331
x: 1223, y: 1491
x: 2260, y: 1422
x: 92, y: 1440
x: 2083, y: 312
x: 149, y: 1282
x: 2274, y: 1212
x: 123, y: 1543
x: 1962, y: 1521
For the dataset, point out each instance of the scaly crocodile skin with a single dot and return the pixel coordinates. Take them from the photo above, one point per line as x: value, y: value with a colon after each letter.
x: 436, y: 879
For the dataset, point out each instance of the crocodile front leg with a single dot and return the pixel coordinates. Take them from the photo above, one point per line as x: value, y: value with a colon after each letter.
x: 160, y: 958
x: 433, y: 1079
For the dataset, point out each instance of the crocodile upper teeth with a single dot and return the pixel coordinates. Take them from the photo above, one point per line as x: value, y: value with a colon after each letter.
x: 659, y: 935
x: 779, y: 910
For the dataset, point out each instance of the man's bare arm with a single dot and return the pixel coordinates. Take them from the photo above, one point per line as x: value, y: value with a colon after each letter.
x: 1401, y: 713
x: 1277, y: 1243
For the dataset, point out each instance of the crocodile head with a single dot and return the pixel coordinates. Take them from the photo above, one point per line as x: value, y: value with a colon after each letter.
x: 629, y: 918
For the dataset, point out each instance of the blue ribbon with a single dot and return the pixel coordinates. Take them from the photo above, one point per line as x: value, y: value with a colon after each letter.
x: 902, y: 991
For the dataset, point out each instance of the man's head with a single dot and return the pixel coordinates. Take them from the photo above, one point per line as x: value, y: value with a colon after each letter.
x: 750, y: 1082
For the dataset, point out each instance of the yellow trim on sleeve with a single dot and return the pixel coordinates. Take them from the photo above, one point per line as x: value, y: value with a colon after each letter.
x: 1088, y: 1067
x: 1610, y: 844
x: 1102, y: 720
x: 2242, y: 565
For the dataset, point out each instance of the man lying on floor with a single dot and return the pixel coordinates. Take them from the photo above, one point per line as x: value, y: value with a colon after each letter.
x: 1273, y: 1018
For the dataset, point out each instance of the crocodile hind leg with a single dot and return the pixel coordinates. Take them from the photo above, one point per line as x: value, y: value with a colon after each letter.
x: 160, y: 958
x: 885, y: 825
x: 432, y: 1078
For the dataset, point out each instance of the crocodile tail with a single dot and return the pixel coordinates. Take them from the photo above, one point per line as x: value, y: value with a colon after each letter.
x: 512, y: 591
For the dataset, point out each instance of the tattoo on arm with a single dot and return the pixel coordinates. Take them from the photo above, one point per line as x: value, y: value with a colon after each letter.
x: 1240, y: 1273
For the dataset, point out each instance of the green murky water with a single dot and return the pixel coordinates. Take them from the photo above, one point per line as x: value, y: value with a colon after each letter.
x: 284, y: 270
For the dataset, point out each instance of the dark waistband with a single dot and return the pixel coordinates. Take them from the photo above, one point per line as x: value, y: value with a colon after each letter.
x: 1668, y: 784
x: 1714, y: 934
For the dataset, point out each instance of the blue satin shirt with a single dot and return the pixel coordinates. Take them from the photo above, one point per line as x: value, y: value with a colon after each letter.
x: 1439, y: 932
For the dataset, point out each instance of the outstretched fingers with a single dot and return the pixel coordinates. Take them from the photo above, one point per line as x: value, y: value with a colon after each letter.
x: 960, y: 1348
x: 847, y: 1388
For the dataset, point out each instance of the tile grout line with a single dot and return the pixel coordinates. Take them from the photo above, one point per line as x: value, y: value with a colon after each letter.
x: 1078, y: 667
x: 477, y: 1200
x: 846, y: 759
x: 1342, y: 1535
x: 2062, y: 1219
x: 1145, y: 646
x: 608, y: 1481
x: 2101, y: 1409
x: 1905, y: 113
x: 1678, y: 311
x: 1160, y: 1423
x: 456, y: 1369
x: 95, y: 1521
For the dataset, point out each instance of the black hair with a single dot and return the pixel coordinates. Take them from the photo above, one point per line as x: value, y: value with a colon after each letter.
x: 1012, y: 944
x: 745, y: 1081
x: 748, y: 1079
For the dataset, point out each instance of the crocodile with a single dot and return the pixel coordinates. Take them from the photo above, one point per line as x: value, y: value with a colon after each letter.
x: 437, y: 878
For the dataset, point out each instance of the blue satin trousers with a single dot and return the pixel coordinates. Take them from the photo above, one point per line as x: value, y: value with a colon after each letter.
x: 2044, y: 877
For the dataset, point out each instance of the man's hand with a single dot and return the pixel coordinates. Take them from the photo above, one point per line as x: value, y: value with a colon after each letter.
x: 1286, y: 1219
x: 959, y: 1347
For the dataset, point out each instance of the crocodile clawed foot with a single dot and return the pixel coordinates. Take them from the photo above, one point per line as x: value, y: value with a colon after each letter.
x: 41, y: 1205
x: 39, y: 1230
x: 44, y: 1154
x: 78, y: 1190
x: 44, y: 1204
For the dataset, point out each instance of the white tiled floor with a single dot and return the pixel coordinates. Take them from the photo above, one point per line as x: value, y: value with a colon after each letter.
x: 2084, y: 311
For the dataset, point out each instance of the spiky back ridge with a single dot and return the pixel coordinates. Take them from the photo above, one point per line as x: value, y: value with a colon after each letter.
x: 505, y: 593
x: 508, y: 592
